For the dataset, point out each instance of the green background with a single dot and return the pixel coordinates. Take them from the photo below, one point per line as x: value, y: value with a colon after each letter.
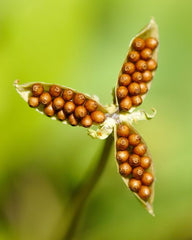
x: 82, y: 44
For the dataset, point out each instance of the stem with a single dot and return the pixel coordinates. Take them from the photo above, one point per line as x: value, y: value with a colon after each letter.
x: 78, y: 199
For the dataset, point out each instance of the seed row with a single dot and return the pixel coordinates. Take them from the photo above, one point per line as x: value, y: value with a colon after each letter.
x: 133, y: 161
x: 66, y: 105
x: 136, y: 73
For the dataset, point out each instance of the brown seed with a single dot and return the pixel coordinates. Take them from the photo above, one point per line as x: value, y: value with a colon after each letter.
x: 98, y: 116
x: 138, y: 172
x: 140, y: 149
x: 145, y: 162
x: 122, y: 156
x: 134, y: 184
x: 68, y: 94
x: 129, y: 68
x: 69, y: 107
x: 124, y: 80
x: 33, y: 102
x: 147, y: 76
x: 49, y: 110
x: 151, y: 64
x: 136, y: 100
x: 133, y: 56
x: 45, y: 98
x: 134, y: 139
x: 72, y: 120
x: 126, y: 104
x: 138, y: 44
x: 144, y: 192
x: 134, y: 160
x: 79, y: 99
x: 58, y: 103
x: 55, y: 91
x: 61, y: 115
x: 137, y: 77
x: 146, y: 53
x: 151, y: 43
x: 122, y: 92
x: 122, y: 143
x: 125, y: 169
x: 122, y: 130
x: 86, y: 121
x: 141, y: 65
x: 134, y: 88
x: 80, y: 112
x: 37, y: 89
x: 91, y: 105
x: 147, y: 179
x: 143, y: 87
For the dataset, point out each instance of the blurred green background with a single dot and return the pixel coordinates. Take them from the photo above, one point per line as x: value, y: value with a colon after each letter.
x: 82, y: 44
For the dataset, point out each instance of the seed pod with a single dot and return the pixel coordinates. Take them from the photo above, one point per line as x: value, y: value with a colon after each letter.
x: 134, y: 184
x: 122, y: 92
x: 45, y: 98
x: 33, y: 102
x: 49, y: 110
x: 37, y: 89
x: 122, y: 156
x: 125, y: 169
x: 86, y: 121
x: 55, y: 91
x: 91, y: 105
x: 68, y: 94
x: 122, y: 143
x: 79, y: 99
x: 58, y: 103
x: 134, y: 160
x: 80, y: 112
x: 123, y: 130
x: 124, y: 79
x: 98, y: 116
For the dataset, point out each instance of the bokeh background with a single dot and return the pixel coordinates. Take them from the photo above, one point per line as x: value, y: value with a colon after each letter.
x: 82, y: 44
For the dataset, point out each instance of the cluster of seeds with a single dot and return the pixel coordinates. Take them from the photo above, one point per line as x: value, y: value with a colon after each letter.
x: 136, y: 73
x: 66, y: 105
x: 133, y: 162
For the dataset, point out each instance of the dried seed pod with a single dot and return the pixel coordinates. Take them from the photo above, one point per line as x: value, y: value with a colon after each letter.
x: 49, y: 110
x: 125, y: 104
x: 146, y: 53
x: 33, y: 102
x: 136, y: 100
x: 138, y: 44
x: 61, y: 115
x: 69, y: 107
x: 137, y: 77
x: 125, y: 169
x: 143, y: 87
x: 134, y: 139
x: 45, y: 98
x: 123, y: 130
x: 141, y: 65
x: 122, y: 156
x: 68, y: 94
x: 133, y: 56
x: 129, y: 68
x: 140, y: 149
x: 145, y: 162
x: 79, y: 99
x: 147, y: 178
x: 122, y: 92
x: 151, y: 43
x: 138, y: 172
x: 122, y: 143
x: 91, y: 105
x: 72, y: 120
x: 80, y: 112
x: 124, y: 79
x: 134, y: 160
x: 86, y: 121
x: 98, y: 116
x: 37, y: 89
x: 134, y: 88
x: 151, y: 64
x: 58, y: 103
x: 147, y: 76
x: 55, y: 91
x: 144, y: 193
x: 134, y: 184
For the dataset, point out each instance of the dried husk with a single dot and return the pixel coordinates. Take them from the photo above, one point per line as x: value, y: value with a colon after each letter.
x: 151, y: 30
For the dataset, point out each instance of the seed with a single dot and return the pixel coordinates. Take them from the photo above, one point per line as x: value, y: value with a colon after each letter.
x: 55, y: 91
x: 122, y: 156
x: 122, y: 130
x: 86, y: 121
x: 143, y: 87
x: 61, y: 115
x: 136, y: 100
x: 151, y: 43
x: 98, y: 116
x: 144, y: 192
x: 138, y: 44
x: 124, y: 80
x: 147, y: 179
x: 134, y: 88
x: 79, y: 99
x: 68, y: 94
x: 69, y: 107
x: 80, y: 112
x: 129, y: 68
x: 151, y: 64
x: 122, y: 143
x: 140, y: 149
x: 134, y: 139
x: 133, y: 56
x: 134, y: 184
x: 125, y: 169
x: 126, y: 104
x: 137, y: 77
x: 45, y: 98
x: 145, y: 162
x: 138, y: 172
x: 122, y: 92
x: 49, y: 110
x: 147, y: 76
x: 37, y: 89
x: 58, y: 103
x: 141, y: 65
x: 72, y: 120
x: 33, y: 102
x: 146, y: 53
x: 91, y: 105
x: 134, y: 160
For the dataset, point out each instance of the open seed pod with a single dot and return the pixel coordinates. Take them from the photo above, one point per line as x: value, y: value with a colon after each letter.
x: 62, y: 103
x: 134, y: 163
x: 138, y: 70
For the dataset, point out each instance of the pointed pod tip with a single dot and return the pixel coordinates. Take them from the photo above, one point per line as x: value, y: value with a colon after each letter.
x: 16, y: 82
x: 149, y: 208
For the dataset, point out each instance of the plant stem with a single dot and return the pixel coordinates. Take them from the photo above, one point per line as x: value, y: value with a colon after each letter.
x: 78, y: 199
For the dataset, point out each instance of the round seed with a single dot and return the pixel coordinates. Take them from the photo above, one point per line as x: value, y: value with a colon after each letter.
x: 49, y: 110
x: 80, y: 112
x: 151, y: 43
x: 55, y: 91
x: 147, y: 76
x: 146, y: 53
x: 33, y: 102
x: 67, y: 94
x: 79, y: 99
x: 137, y: 77
x: 134, y: 160
x: 133, y: 56
x: 138, y: 44
x: 72, y: 120
x: 122, y: 130
x: 122, y: 92
x: 138, y: 172
x: 134, y: 139
x: 140, y: 149
x: 134, y: 184
x: 58, y: 103
x: 98, y: 116
x: 122, y: 156
x: 37, y: 89
x: 61, y: 115
x: 124, y: 80
x: 126, y: 104
x: 151, y: 64
x: 91, y: 105
x: 147, y: 179
x: 136, y: 100
x: 141, y: 65
x: 144, y: 192
x: 86, y: 121
x: 143, y: 87
x: 134, y: 88
x: 69, y: 107
x: 122, y: 143
x: 45, y: 98
x: 125, y: 169
x: 129, y: 68
x: 145, y: 162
